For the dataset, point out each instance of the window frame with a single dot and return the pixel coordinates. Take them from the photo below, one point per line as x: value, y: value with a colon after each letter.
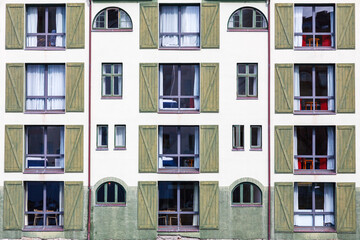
x: 247, y: 29
x: 118, y: 147
x: 257, y: 147
x: 98, y: 146
x: 247, y: 75
x: 111, y: 75
x: 239, y: 147
x: 106, y: 28
x: 118, y: 187
x: 241, y: 192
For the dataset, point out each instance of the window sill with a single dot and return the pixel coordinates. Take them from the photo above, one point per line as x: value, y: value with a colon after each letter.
x: 304, y: 112
x: 314, y: 49
x: 246, y: 98
x: 238, y: 149
x: 314, y: 172
x: 314, y: 229
x: 110, y: 205
x: 45, y: 112
x: 255, y: 149
x: 246, y: 30
x: 179, y: 171
x: 246, y: 205
x: 43, y: 171
x: 180, y: 48
x: 111, y: 97
x: 178, y: 229
x: 119, y: 148
x: 112, y: 30
x: 102, y: 149
x: 179, y: 111
x: 43, y: 229
x: 45, y: 49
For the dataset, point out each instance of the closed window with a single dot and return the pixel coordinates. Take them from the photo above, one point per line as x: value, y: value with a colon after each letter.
x: 238, y: 136
x: 246, y: 194
x: 247, y: 18
x: 112, y: 18
x: 110, y: 193
x: 247, y: 80
x: 255, y: 135
x: 120, y: 136
x: 112, y: 80
x: 102, y: 136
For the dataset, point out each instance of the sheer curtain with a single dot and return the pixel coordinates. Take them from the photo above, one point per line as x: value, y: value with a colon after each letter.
x: 196, y: 88
x: 296, y: 165
x: 196, y: 148
x: 190, y: 23
x: 35, y: 86
x: 298, y: 18
x: 330, y: 83
x: 196, y: 205
x: 161, y: 83
x: 160, y: 143
x: 296, y: 87
x: 32, y: 22
x: 125, y: 21
x: 56, y: 87
x: 169, y: 24
x: 120, y: 136
x: 330, y: 148
x: 329, y: 203
x: 60, y: 26
x: 332, y: 28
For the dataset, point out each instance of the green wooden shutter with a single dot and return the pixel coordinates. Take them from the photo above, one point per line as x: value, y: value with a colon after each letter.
x: 284, y: 25
x: 345, y: 22
x: 75, y: 25
x: 210, y: 25
x: 209, y: 149
x: 209, y: 87
x: 14, y: 137
x: 209, y: 205
x: 345, y: 88
x: 14, y: 95
x: 74, y: 148
x: 284, y: 207
x: 345, y: 149
x: 14, y: 37
x: 13, y: 205
x: 148, y: 90
x: 73, y: 206
x: 147, y: 205
x: 149, y: 20
x: 148, y: 138
x: 284, y: 149
x: 75, y: 87
x: 345, y: 208
x: 284, y: 93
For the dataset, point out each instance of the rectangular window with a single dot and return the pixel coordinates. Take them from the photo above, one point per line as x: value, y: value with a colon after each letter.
x: 45, y: 26
x: 178, y: 206
x: 255, y: 134
x: 102, y: 136
x: 179, y: 26
x: 120, y: 136
x: 247, y: 80
x: 112, y: 80
x: 179, y: 87
x: 314, y: 149
x: 238, y: 136
x: 45, y: 88
x: 314, y: 88
x: 314, y: 26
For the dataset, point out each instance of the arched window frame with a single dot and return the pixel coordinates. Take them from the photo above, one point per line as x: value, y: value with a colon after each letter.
x: 106, y: 203
x: 251, y: 203
x: 254, y: 28
x: 105, y: 28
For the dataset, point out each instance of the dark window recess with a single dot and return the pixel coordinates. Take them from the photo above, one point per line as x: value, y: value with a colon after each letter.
x: 246, y: 194
x: 110, y: 193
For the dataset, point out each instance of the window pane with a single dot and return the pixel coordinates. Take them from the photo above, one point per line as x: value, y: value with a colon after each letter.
x: 246, y: 193
x: 187, y: 80
x: 121, y: 194
x: 170, y: 80
x: 41, y: 21
x: 307, y: 19
x: 120, y: 136
x: 107, y: 68
x: 252, y: 86
x: 257, y: 194
x: 252, y: 68
x: 100, y: 20
x: 247, y: 18
x: 190, y: 19
x: 319, y: 196
x: 113, y: 18
x: 321, y: 138
x: 304, y: 140
x: 52, y: 196
x: 110, y: 192
x: 117, y: 85
x: 187, y: 196
x: 241, y: 86
x: 242, y: 68
x: 35, y: 196
x: 305, y: 196
x: 323, y: 18
x: 35, y: 140
x: 101, y: 193
x: 305, y: 80
x: 102, y: 136
x: 255, y: 136
x: 107, y: 85
x: 52, y: 20
x: 35, y: 80
x: 117, y: 68
x: 187, y: 136
x: 321, y: 80
x: 167, y: 196
x: 169, y: 26
x: 236, y: 195
x: 53, y: 140
x: 169, y: 140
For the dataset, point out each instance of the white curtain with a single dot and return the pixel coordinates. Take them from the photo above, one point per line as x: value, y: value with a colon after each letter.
x: 161, y: 83
x: 332, y: 28
x: 190, y: 23
x: 296, y: 87
x: 196, y: 148
x: 329, y: 203
x: 258, y: 142
x: 196, y: 205
x: 125, y: 21
x: 32, y: 23
x: 61, y: 204
x: 196, y: 87
x: 298, y: 17
x: 35, y: 86
x: 120, y: 136
x: 300, y: 220
x: 60, y: 26
x: 160, y: 143
x: 330, y: 83
x: 330, y: 148
x: 296, y: 165
x: 169, y: 24
x: 56, y: 87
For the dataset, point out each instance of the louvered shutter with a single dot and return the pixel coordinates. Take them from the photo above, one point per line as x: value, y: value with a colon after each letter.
x: 147, y: 205
x: 14, y: 96
x: 210, y: 25
x: 73, y: 206
x: 75, y: 87
x: 284, y: 149
x: 345, y: 88
x: 209, y: 205
x: 284, y: 207
x: 345, y: 149
x: 284, y: 93
x: 345, y: 22
x: 74, y: 148
x: 209, y: 87
x: 149, y: 20
x: 75, y: 25
x: 284, y: 26
x: 14, y: 37
x: 13, y: 205
x: 148, y: 149
x: 14, y: 137
x: 209, y: 149
x: 148, y: 90
x: 345, y: 208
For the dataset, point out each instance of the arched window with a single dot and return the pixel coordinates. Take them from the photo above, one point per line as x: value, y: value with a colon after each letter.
x: 112, y: 18
x: 246, y: 194
x: 110, y: 193
x: 247, y: 18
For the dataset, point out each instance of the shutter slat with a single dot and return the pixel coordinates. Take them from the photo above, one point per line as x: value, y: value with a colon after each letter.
x: 345, y: 88
x: 148, y: 149
x: 74, y: 148
x: 73, y: 206
x: 284, y: 149
x: 284, y: 93
x: 75, y: 25
x: 345, y: 208
x: 210, y: 25
x: 75, y: 87
x: 149, y: 15
x: 13, y: 205
x: 14, y: 37
x: 147, y: 205
x: 148, y: 89
x: 284, y: 207
x: 345, y: 149
x: 284, y: 26
x: 14, y: 95
x: 209, y: 205
x: 14, y: 148
x: 209, y: 149
x: 345, y: 22
x: 209, y: 87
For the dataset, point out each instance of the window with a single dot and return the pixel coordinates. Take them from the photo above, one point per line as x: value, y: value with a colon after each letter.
x: 179, y: 87
x: 314, y: 149
x: 45, y: 26
x: 238, y: 136
x: 112, y: 18
x: 44, y: 205
x: 110, y: 193
x: 247, y: 18
x: 44, y: 147
x: 255, y: 134
x: 179, y: 148
x: 120, y: 133
x: 102, y: 136
x: 45, y: 88
x: 178, y: 206
x: 247, y: 80
x: 246, y: 194
x: 314, y: 205
x: 314, y: 26
x: 112, y: 80
x: 314, y: 88
x: 179, y: 26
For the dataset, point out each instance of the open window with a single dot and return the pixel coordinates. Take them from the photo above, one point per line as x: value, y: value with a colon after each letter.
x: 112, y: 19
x: 247, y: 18
x: 246, y: 194
x: 109, y: 194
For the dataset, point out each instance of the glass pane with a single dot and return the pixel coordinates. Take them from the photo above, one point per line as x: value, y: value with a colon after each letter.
x: 241, y: 68
x: 257, y: 194
x: 187, y: 196
x: 113, y: 18
x: 170, y: 80
x: 169, y: 140
x: 110, y: 192
x: 305, y: 196
x: 100, y: 20
x: 41, y: 20
x: 53, y: 140
x: 247, y: 18
x: 319, y: 196
x: 103, y: 136
x: 305, y: 80
x: 52, y: 196
x: 246, y: 193
x: 167, y: 196
x: 252, y: 86
x: 117, y: 68
x: 241, y: 86
x: 321, y: 80
x: 35, y: 198
x: 321, y: 141
x: 187, y: 162
x: 188, y: 80
x: 117, y: 86
x: 101, y: 194
x: 304, y: 140
x: 189, y: 220
x: 236, y: 195
x: 187, y: 136
x: 235, y: 20
x: 252, y: 68
x: 323, y: 17
x: 107, y: 86
x: 35, y: 140
x: 35, y: 80
x: 307, y: 19
x: 170, y: 102
x: 120, y: 194
x: 107, y: 68
x: 255, y: 134
x: 52, y: 20
x: 187, y: 103
x: 120, y: 136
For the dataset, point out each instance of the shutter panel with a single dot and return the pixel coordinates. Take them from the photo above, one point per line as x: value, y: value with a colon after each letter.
x: 345, y: 22
x: 74, y: 148
x: 147, y: 205
x: 284, y: 93
x: 148, y: 138
x: 284, y: 149
x: 209, y: 149
x: 149, y: 20
x: 209, y: 205
x: 284, y: 26
x: 148, y: 87
x: 345, y: 149
x: 75, y: 25
x: 13, y: 205
x: 14, y: 148
x: 73, y: 206
x: 210, y: 25
x: 345, y: 88
x: 14, y: 87
x: 284, y: 207
x: 345, y: 208
x: 14, y: 26
x: 209, y: 87
x: 75, y: 87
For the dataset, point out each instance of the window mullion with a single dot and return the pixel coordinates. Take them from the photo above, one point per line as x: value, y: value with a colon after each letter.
x: 179, y: 25
x: 178, y: 204
x: 313, y: 203
x: 313, y: 147
x: 46, y: 86
x: 179, y: 85
x: 45, y: 146
x: 178, y: 145
x: 44, y: 203
x: 313, y: 87
x: 313, y: 25
x: 241, y: 194
x: 251, y: 193
x: 112, y: 79
x: 116, y: 194
x: 105, y: 192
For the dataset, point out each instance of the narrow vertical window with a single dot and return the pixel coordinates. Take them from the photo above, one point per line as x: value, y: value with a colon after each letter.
x: 120, y: 137
x: 238, y: 137
x: 247, y: 80
x: 111, y: 80
x: 102, y: 136
x: 255, y: 134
